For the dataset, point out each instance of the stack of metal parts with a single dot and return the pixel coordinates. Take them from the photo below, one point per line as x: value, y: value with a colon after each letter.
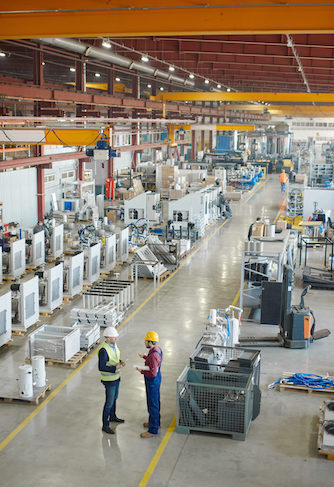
x: 120, y: 294
x: 161, y: 250
x: 219, y: 391
x: 147, y: 263
x: 101, y: 315
x: 54, y: 342
x: 89, y: 333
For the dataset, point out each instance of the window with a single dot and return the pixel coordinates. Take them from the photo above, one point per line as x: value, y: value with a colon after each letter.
x: 67, y: 175
x: 49, y: 178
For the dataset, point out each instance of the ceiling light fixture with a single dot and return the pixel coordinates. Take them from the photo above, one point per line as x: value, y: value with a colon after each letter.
x: 228, y: 89
x: 97, y: 75
x: 144, y: 58
x: 106, y: 44
x: 43, y: 63
x: 161, y: 88
x: 219, y: 86
x: 171, y: 68
x: 191, y: 76
x: 206, y: 81
x: 72, y: 70
x: 2, y: 54
x: 149, y: 86
x: 118, y: 80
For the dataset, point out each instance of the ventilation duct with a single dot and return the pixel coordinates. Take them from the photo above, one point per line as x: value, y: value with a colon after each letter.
x: 113, y: 58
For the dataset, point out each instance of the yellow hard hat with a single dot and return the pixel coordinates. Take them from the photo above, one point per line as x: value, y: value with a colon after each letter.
x: 151, y: 336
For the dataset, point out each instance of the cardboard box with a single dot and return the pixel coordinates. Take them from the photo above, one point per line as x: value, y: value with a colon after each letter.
x: 229, y: 188
x: 233, y: 195
x: 111, y: 215
x: 258, y: 229
x: 301, y: 178
x: 281, y: 225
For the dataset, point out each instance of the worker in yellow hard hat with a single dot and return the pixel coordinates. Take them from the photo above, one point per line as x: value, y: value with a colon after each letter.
x: 152, y: 383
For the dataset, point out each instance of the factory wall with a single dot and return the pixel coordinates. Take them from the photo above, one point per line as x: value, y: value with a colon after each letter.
x: 18, y: 193
x: 323, y: 197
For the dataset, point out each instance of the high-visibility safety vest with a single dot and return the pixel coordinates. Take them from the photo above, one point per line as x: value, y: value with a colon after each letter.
x: 113, y: 356
x: 283, y: 177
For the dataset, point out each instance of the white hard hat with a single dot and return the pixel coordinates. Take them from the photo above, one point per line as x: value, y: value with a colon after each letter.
x: 110, y: 332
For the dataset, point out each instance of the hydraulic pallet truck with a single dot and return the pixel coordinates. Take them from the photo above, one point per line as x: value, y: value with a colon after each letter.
x: 297, y: 326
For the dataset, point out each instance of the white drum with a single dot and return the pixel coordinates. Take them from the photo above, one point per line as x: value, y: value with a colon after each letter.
x: 38, y: 370
x: 25, y: 381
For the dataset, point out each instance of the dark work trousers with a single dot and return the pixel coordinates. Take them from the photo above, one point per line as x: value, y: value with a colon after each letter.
x: 109, y: 410
x: 152, y: 385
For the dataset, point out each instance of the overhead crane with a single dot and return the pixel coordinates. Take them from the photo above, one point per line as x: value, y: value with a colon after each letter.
x: 98, y: 18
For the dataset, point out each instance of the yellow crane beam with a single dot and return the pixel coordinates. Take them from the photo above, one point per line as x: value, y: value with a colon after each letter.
x: 249, y: 96
x: 95, y: 18
x: 54, y: 136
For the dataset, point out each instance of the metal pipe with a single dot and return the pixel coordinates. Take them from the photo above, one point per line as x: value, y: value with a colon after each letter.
x: 113, y: 58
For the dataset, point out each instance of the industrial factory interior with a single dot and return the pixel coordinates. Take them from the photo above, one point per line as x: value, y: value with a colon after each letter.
x: 167, y: 243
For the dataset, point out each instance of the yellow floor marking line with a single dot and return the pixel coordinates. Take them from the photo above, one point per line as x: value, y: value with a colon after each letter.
x: 53, y: 394
x: 280, y: 210
x: 158, y: 453
x: 154, y: 462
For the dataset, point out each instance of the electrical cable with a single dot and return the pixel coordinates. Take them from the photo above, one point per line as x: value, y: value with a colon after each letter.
x: 311, y: 381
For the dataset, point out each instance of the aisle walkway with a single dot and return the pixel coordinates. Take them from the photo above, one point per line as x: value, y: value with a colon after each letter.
x: 63, y: 444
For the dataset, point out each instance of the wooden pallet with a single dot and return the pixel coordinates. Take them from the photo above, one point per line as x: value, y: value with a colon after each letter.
x: 21, y: 333
x: 93, y: 346
x: 73, y: 363
x: 31, y: 269
x: 34, y: 400
x: 283, y: 387
x: 164, y: 275
x: 328, y: 454
x: 47, y: 314
x: 6, y: 345
x: 68, y: 299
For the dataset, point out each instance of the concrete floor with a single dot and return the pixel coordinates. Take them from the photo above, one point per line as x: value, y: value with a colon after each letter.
x: 63, y: 444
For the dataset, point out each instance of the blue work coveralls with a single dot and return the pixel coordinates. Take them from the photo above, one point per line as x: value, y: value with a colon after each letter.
x: 152, y: 385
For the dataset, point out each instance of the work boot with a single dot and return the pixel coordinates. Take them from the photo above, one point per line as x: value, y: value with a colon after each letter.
x: 146, y: 434
x: 108, y: 430
x: 116, y: 420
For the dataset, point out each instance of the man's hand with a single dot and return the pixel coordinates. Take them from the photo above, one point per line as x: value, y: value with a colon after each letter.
x: 139, y: 370
x: 120, y: 364
x: 141, y: 355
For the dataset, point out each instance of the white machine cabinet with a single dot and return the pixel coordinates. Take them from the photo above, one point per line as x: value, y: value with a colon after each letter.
x: 146, y: 205
x: 73, y: 274
x: 55, y: 342
x: 25, y: 303
x: 0, y: 265
x: 5, y: 318
x: 108, y: 254
x: 123, y: 245
x: 36, y: 255
x: 15, y: 261
x: 92, y: 256
x: 51, y: 287
x: 57, y: 242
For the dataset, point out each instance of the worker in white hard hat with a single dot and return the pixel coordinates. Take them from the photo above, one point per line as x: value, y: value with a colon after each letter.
x: 109, y: 367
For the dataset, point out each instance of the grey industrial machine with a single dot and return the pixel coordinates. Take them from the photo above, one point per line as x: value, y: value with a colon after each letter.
x: 73, y: 274
x: 14, y: 259
x: 122, y: 245
x: 50, y: 286
x: 25, y: 305
x: 35, y: 249
x: 5, y: 318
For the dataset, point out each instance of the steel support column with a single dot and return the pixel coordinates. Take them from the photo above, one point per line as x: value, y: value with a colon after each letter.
x: 193, y: 145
